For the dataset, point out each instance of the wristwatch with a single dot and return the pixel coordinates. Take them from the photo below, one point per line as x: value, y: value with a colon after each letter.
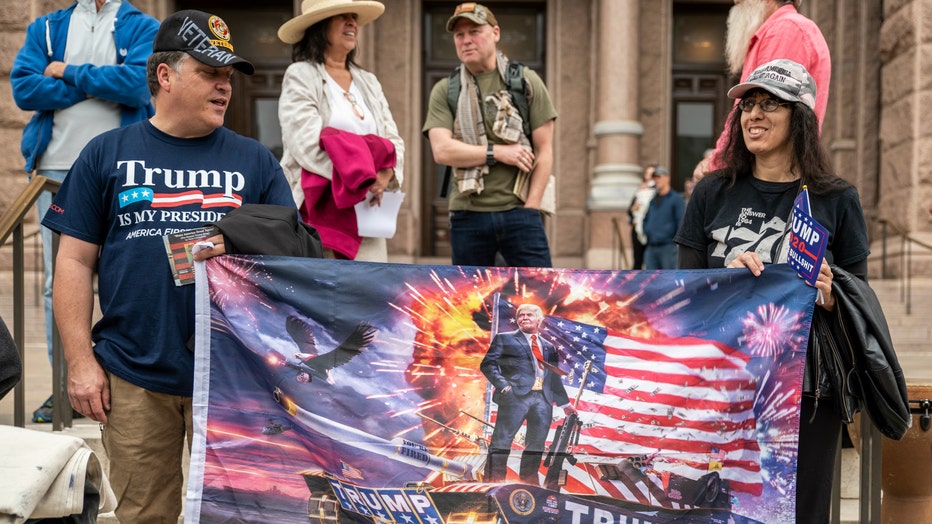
x: 490, y: 156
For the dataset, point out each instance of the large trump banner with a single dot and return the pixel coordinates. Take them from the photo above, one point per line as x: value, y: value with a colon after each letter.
x: 336, y: 391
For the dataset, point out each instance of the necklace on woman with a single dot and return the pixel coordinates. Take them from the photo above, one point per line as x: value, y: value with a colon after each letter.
x: 352, y: 100
x: 342, y: 77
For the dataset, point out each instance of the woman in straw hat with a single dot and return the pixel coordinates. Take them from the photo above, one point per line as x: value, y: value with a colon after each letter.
x: 324, y: 89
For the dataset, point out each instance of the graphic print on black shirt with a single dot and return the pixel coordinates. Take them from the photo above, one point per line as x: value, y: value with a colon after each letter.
x: 768, y: 239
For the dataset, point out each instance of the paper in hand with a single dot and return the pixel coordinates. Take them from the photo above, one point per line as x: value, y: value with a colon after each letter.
x: 379, y: 221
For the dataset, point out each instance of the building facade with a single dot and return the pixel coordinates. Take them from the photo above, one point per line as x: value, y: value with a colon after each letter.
x: 634, y: 82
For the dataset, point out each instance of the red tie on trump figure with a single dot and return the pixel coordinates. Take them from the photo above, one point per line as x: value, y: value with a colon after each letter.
x: 535, y: 349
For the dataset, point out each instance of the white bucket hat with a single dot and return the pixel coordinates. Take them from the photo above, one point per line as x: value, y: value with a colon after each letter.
x: 313, y: 11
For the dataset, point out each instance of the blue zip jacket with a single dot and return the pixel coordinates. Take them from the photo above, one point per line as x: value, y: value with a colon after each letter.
x: 124, y: 83
x: 663, y: 218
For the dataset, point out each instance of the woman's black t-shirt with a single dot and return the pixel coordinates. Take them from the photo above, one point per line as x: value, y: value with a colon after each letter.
x: 754, y: 215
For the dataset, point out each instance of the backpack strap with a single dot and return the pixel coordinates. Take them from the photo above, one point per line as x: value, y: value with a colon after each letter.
x: 519, y: 90
x: 453, y: 90
x: 453, y: 96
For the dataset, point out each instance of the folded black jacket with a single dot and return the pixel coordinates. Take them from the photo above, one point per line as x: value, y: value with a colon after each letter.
x: 853, y: 359
x: 265, y: 229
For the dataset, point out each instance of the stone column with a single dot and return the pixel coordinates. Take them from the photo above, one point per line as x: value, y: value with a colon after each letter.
x: 617, y: 130
x: 906, y: 143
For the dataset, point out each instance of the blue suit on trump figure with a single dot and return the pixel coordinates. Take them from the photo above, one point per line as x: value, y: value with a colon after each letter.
x: 526, y: 387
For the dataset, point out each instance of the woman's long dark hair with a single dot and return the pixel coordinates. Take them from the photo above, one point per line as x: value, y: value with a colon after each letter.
x: 810, y: 158
x: 312, y: 46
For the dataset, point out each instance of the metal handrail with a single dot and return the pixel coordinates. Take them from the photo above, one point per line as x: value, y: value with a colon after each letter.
x: 12, y: 223
x: 907, y: 241
x: 618, y: 247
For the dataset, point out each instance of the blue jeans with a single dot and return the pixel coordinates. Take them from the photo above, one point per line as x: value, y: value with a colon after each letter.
x: 42, y: 205
x: 517, y: 234
x: 660, y: 256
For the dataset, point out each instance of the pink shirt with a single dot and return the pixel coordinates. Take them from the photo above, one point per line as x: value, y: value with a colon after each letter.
x: 787, y: 34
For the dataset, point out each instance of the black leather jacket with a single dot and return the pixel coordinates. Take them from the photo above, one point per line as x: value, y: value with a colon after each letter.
x: 852, y: 360
x: 265, y: 229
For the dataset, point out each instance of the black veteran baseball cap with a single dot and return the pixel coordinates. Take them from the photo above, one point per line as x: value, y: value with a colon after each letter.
x: 202, y: 35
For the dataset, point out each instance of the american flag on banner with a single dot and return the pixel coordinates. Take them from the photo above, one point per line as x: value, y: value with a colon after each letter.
x: 349, y: 471
x: 672, y: 407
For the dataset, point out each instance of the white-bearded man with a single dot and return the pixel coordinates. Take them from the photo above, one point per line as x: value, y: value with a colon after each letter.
x: 763, y: 30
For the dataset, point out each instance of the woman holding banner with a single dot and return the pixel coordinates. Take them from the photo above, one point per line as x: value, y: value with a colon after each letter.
x: 740, y: 216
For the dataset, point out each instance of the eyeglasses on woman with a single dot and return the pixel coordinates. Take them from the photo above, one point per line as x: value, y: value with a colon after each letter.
x: 767, y: 105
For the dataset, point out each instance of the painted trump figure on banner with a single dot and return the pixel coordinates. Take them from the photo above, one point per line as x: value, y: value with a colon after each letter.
x: 523, y: 368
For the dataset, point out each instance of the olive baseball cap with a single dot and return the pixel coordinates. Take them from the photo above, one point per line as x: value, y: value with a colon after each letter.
x: 202, y: 35
x: 478, y: 13
x: 784, y: 79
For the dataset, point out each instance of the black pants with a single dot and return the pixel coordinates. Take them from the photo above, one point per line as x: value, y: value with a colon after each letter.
x: 637, y: 250
x: 818, y: 444
x: 513, y: 411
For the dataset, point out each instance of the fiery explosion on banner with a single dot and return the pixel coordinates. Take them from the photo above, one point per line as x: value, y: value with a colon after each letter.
x: 332, y: 389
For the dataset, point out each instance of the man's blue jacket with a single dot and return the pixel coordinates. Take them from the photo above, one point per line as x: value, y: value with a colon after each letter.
x: 124, y: 83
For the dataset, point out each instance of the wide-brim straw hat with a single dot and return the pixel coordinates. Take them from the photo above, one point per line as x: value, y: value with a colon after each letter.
x: 313, y: 11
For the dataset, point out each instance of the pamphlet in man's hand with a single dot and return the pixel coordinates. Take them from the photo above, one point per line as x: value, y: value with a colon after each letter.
x: 178, y: 245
